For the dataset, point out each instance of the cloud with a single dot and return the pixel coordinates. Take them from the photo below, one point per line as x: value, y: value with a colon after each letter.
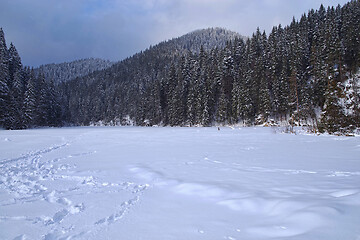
x: 46, y: 31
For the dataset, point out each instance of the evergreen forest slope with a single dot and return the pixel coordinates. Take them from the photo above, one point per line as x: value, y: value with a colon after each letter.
x: 115, y: 94
x: 305, y: 73
x: 66, y: 71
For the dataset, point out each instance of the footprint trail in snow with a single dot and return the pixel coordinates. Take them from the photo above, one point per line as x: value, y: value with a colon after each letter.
x: 35, y: 178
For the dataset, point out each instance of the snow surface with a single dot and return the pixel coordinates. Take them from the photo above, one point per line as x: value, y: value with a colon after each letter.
x: 178, y: 183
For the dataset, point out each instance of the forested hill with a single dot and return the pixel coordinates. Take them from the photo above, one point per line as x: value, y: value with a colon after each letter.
x: 303, y: 73
x: 207, y: 38
x: 66, y: 71
x: 116, y: 92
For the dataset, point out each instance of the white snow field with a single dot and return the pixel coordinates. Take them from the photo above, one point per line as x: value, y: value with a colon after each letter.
x: 133, y: 183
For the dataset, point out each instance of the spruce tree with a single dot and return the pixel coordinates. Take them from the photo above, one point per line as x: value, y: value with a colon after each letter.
x: 264, y: 101
x: 154, y: 99
x: 17, y: 89
x: 4, y: 80
x: 192, y: 95
x: 333, y: 119
x: 17, y: 100
x: 31, y: 101
x: 53, y: 107
x: 15, y: 64
x: 174, y: 101
x: 42, y: 109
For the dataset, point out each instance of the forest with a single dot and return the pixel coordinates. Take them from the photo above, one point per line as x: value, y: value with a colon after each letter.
x: 303, y: 74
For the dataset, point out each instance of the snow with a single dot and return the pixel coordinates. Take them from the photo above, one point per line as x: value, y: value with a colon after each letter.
x: 178, y: 183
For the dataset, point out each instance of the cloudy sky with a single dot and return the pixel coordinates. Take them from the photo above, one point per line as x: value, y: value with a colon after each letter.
x: 54, y: 31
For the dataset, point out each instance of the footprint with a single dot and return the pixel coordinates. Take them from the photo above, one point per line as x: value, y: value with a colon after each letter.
x: 57, y: 218
x: 51, y: 197
x: 77, y: 208
x: 140, y: 188
x: 112, y: 218
x: 124, y: 208
x: 61, y: 214
x: 64, y: 201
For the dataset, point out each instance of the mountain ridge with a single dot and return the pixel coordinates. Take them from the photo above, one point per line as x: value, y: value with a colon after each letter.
x: 63, y: 72
x: 208, y: 38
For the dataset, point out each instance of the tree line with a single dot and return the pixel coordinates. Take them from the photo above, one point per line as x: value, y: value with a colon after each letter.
x: 26, y: 100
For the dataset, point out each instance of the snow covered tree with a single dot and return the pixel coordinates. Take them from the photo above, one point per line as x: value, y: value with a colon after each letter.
x: 16, y: 86
x: 264, y: 101
x: 52, y: 106
x: 15, y: 64
x: 175, y: 98
x: 4, y: 80
x: 333, y: 119
x: 351, y: 34
x: 17, y: 100
x: 31, y: 101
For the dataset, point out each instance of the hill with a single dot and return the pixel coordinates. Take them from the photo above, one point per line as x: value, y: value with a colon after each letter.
x: 208, y: 39
x: 66, y: 71
x: 114, y: 93
x: 301, y: 74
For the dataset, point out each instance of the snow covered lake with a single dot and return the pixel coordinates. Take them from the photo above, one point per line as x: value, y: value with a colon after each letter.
x: 133, y: 183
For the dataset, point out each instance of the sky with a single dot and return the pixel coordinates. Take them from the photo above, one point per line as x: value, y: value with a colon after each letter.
x: 55, y: 31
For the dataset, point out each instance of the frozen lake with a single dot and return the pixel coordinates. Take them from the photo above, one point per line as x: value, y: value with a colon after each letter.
x: 133, y: 183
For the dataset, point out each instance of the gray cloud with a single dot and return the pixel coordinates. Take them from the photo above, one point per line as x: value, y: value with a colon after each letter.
x: 46, y: 31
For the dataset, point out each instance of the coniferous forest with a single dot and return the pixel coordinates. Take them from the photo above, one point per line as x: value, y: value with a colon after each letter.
x: 306, y: 73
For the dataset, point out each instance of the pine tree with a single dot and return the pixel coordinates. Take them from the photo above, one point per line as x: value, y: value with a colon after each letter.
x: 53, y: 107
x: 247, y: 105
x: 224, y: 112
x: 202, y: 106
x: 16, y: 87
x: 192, y: 95
x: 154, y: 99
x: 4, y: 80
x: 260, y: 88
x: 42, y: 109
x: 240, y: 68
x: 333, y: 119
x: 17, y: 100
x: 264, y: 101
x: 351, y: 102
x: 185, y: 78
x: 354, y: 100
x: 221, y: 116
x: 31, y: 101
x: 319, y: 67
x: 175, y: 93
x: 15, y: 64
x: 351, y: 34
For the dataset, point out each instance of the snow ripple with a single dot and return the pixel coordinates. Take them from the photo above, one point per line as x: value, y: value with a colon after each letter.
x: 295, y: 217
